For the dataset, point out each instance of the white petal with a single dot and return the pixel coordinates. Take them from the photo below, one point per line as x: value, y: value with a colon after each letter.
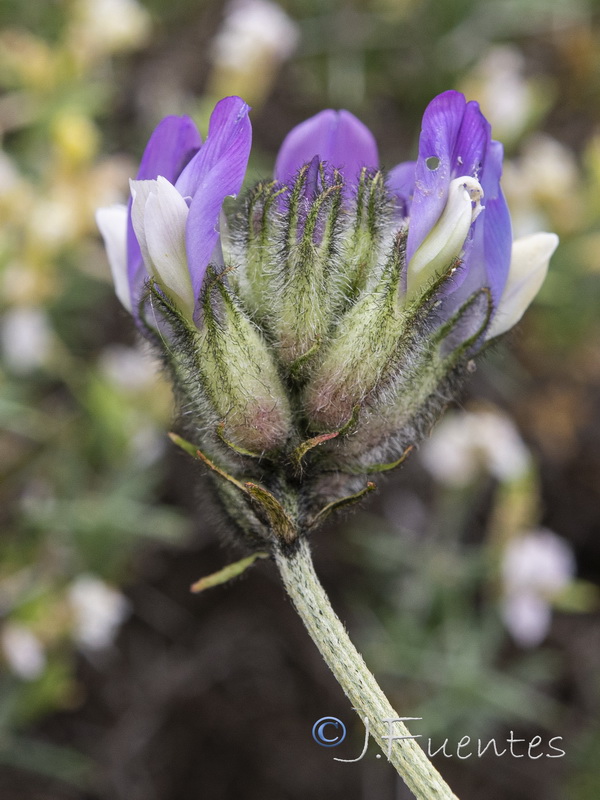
x: 446, y: 239
x: 528, y: 268
x: 112, y: 222
x: 140, y: 192
x: 165, y: 220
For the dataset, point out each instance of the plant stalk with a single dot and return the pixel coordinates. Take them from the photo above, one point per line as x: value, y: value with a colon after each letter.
x: 351, y: 672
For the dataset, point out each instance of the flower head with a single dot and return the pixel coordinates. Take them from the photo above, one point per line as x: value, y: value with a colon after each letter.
x: 316, y: 330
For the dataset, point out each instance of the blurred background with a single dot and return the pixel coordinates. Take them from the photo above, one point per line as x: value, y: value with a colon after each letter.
x: 470, y: 582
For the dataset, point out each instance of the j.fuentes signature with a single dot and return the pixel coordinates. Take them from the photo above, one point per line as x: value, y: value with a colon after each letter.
x: 330, y: 732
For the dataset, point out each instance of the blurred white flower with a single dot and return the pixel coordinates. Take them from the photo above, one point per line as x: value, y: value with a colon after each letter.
x: 251, y: 29
x: 535, y: 568
x: 131, y: 371
x: 148, y: 444
x: 543, y: 186
x: 549, y: 167
x: 23, y: 651
x: 110, y: 26
x: 506, y: 95
x: 98, y: 611
x: 128, y: 368
x: 26, y: 339
x: 53, y: 222
x: 466, y: 442
x: 256, y: 37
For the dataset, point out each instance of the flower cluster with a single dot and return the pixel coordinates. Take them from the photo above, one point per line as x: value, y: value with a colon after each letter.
x: 316, y: 326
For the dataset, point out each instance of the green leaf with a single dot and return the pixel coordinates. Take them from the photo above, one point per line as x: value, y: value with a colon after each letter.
x: 227, y: 573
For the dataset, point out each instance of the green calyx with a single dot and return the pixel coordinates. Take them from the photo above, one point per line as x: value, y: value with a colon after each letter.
x: 362, y: 349
x: 364, y: 246
x: 306, y: 369
x: 303, y: 312
x: 240, y: 376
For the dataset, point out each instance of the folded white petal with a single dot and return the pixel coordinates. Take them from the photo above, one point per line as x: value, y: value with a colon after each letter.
x: 164, y: 222
x: 112, y: 222
x: 528, y: 268
x: 446, y: 239
x: 140, y: 192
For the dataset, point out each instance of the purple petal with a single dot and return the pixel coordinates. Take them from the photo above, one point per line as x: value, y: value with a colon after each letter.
x: 228, y: 124
x: 174, y: 141
x: 217, y: 171
x: 401, y: 182
x: 312, y: 181
x: 487, y: 258
x: 439, y: 132
x: 497, y: 230
x: 337, y: 137
x: 471, y: 143
x: 454, y: 138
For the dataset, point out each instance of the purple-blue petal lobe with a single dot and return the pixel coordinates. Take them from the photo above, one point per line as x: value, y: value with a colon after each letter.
x: 173, y: 143
x: 229, y: 124
x: 337, y: 137
x: 216, y: 172
x: 486, y: 260
x: 497, y: 228
x: 401, y: 183
x: 453, y: 142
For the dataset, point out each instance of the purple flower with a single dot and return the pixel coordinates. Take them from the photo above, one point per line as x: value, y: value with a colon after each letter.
x: 450, y: 200
x: 450, y: 197
x: 456, y: 145
x: 170, y: 229
x: 335, y: 137
x: 173, y: 143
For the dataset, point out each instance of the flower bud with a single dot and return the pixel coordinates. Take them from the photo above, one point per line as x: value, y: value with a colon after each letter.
x: 254, y: 242
x: 240, y: 377
x: 362, y: 349
x: 434, y: 365
x: 368, y: 237
x: 307, y: 265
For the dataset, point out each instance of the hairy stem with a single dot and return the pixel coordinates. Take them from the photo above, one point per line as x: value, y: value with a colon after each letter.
x: 351, y: 672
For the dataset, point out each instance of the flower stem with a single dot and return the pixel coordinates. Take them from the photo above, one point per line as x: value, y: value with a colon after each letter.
x: 351, y: 672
